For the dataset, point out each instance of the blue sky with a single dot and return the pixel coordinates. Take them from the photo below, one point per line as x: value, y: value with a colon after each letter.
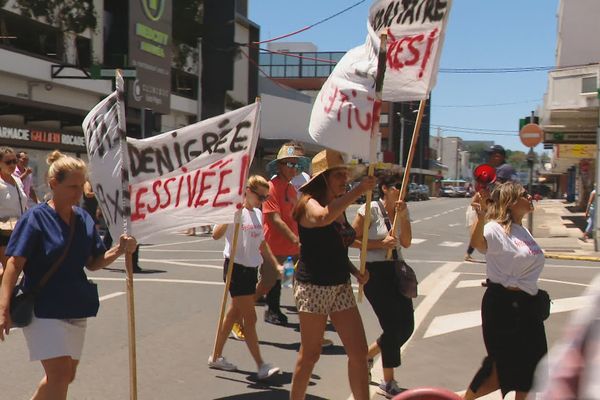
x: 481, y: 34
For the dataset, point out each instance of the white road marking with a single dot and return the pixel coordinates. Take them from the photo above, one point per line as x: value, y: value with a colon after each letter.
x: 451, y: 244
x: 469, y: 283
x: 449, y: 323
x: 158, y: 280
x: 453, y: 225
x: 432, y: 287
x: 111, y: 296
x: 181, y: 251
x: 175, y: 243
x: 417, y: 241
x: 427, y: 218
x: 416, y: 221
x: 184, y: 264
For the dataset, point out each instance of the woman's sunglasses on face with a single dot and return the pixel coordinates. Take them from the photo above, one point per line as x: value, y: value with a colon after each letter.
x: 261, y: 197
x: 290, y: 164
x: 10, y: 162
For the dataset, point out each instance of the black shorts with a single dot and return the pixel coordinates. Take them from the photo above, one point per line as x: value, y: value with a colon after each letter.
x: 4, y: 237
x: 243, y: 279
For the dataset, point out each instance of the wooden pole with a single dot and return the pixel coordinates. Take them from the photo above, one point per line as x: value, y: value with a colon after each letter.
x: 230, y: 267
x: 125, y: 202
x: 381, y: 64
x: 131, y: 328
x: 411, y: 155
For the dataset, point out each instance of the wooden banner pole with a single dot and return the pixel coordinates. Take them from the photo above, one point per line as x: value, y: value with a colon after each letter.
x: 406, y: 172
x: 381, y: 64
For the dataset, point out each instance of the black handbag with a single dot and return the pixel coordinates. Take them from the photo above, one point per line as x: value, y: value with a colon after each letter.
x: 541, y: 304
x: 22, y: 301
x: 406, y: 279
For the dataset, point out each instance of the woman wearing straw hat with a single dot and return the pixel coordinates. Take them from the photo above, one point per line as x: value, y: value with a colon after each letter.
x: 322, y: 279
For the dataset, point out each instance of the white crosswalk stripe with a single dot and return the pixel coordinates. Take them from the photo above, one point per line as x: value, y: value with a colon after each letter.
x: 451, y: 244
x: 417, y: 241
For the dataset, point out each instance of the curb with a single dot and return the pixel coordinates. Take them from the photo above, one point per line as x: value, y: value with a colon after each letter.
x: 571, y: 257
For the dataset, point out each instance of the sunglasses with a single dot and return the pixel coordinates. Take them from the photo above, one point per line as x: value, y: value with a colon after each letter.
x: 290, y: 164
x: 525, y: 193
x: 398, y: 185
x: 10, y: 162
x: 261, y: 197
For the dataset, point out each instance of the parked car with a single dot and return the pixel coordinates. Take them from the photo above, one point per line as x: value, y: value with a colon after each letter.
x: 423, y: 192
x: 460, y: 191
x: 447, y: 191
x: 413, y: 192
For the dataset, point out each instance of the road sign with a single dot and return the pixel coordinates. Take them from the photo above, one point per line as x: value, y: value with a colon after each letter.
x: 531, y: 135
x: 96, y: 72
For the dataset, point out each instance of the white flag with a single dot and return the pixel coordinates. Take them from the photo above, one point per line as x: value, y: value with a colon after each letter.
x: 103, y: 139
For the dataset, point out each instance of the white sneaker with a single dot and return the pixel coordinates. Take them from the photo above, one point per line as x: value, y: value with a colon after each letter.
x: 221, y: 363
x: 266, y: 370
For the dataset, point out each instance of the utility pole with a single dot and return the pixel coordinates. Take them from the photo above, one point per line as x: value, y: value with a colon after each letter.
x: 199, y: 100
x: 401, y: 155
x: 530, y: 162
x: 596, y: 211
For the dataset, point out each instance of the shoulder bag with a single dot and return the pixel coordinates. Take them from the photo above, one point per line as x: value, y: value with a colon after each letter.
x: 22, y: 301
x: 7, y: 226
x: 406, y: 279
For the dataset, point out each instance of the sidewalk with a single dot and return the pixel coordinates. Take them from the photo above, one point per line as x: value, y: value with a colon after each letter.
x: 557, y: 226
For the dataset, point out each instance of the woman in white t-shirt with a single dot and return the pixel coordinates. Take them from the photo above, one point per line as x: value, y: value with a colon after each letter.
x: 513, y: 332
x: 251, y: 243
x: 13, y: 200
x: 394, y: 311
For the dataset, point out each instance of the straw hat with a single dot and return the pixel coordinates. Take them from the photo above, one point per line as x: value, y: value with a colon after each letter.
x: 285, y: 152
x: 324, y: 161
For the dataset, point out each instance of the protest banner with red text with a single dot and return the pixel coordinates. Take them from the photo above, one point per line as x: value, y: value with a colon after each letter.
x: 415, y: 31
x: 184, y: 178
x: 342, y: 114
x: 194, y: 175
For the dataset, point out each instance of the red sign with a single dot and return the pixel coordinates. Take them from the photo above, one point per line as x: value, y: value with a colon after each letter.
x: 531, y: 135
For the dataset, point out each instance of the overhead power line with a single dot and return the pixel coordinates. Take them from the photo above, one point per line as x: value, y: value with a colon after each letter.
x: 311, y: 25
x: 484, y: 105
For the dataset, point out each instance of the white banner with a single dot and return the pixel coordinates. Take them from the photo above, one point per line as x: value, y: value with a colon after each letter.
x: 185, y: 178
x: 415, y: 37
x: 342, y: 114
x: 192, y: 176
x: 102, y: 137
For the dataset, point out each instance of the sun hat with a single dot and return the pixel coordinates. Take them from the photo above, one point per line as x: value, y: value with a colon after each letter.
x: 324, y: 161
x: 289, y: 151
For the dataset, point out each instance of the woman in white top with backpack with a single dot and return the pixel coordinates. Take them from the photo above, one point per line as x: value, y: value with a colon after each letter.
x: 512, y: 308
x: 13, y: 200
x: 251, y: 243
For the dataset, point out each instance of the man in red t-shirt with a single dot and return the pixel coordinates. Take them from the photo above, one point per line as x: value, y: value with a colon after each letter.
x: 281, y: 230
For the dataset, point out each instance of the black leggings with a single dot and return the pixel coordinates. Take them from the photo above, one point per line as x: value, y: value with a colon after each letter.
x: 394, y: 311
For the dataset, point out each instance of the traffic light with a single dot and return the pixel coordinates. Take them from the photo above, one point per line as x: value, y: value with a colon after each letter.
x: 527, y: 120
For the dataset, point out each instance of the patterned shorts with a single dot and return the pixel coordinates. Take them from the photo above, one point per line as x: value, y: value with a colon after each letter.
x: 318, y: 299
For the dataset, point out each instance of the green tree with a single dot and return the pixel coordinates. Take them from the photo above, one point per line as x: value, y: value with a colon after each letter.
x: 70, y: 16
x: 477, y: 154
x: 517, y: 159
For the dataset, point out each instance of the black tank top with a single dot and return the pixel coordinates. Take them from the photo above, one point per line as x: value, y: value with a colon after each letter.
x: 324, y: 254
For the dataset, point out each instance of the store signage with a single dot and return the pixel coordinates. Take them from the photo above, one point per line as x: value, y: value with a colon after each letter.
x: 41, y: 136
x: 150, y: 43
x: 570, y: 137
x: 575, y: 151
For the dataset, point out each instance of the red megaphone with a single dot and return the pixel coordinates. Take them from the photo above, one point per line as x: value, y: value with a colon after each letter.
x: 484, y: 175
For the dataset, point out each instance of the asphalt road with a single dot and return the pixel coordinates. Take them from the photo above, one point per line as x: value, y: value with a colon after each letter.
x: 177, y: 306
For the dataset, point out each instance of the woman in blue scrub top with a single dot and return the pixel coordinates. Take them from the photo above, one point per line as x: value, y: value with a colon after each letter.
x: 56, y: 334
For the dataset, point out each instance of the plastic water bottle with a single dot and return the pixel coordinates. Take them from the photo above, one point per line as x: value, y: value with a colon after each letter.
x: 288, y: 272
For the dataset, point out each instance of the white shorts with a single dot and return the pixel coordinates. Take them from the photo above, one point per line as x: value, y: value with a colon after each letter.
x: 51, y: 338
